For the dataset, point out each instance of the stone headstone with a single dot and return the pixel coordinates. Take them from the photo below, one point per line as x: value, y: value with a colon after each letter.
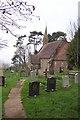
x: 22, y: 73
x: 51, y: 84
x: 77, y: 78
x: 34, y: 88
x: 12, y: 71
x: 2, y: 78
x: 65, y: 81
x: 33, y: 75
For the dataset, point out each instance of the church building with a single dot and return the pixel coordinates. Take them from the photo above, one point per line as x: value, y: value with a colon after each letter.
x: 52, y: 56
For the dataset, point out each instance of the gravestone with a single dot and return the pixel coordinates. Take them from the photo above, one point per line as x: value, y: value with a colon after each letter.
x: 65, y: 81
x: 2, y: 78
x: 22, y: 73
x: 12, y: 71
x: 33, y: 89
x: 51, y: 84
x: 33, y: 75
x: 77, y: 78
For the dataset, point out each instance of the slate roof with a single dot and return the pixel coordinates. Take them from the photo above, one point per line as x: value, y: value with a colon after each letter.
x: 48, y: 50
x: 61, y: 55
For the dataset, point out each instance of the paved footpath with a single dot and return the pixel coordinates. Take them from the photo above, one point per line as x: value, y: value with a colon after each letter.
x: 13, y: 107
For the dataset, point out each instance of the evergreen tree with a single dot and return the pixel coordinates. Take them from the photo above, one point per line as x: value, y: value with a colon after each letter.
x: 56, y: 36
x: 73, y: 51
x: 35, y: 39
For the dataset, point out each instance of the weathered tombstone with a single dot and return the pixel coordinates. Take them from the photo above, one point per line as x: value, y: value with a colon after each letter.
x: 51, y: 84
x: 77, y: 78
x: 33, y: 75
x: 33, y: 88
x: 2, y: 78
x: 22, y: 73
x: 12, y: 71
x: 65, y: 81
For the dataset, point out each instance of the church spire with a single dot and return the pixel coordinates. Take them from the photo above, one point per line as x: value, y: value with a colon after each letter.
x: 45, y: 37
x: 46, y: 30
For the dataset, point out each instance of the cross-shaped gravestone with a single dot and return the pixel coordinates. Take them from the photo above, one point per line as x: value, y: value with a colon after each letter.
x: 65, y: 81
x: 46, y: 73
x: 77, y: 78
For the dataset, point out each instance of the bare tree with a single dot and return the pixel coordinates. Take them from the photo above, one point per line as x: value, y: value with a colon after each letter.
x: 13, y: 13
x: 72, y: 29
x: 3, y: 43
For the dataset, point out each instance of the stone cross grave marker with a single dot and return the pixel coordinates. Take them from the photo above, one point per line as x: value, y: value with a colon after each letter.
x: 46, y: 73
x: 77, y: 78
x: 65, y: 81
x: 33, y: 75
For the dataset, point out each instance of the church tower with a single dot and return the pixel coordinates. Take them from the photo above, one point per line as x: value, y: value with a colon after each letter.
x: 45, y: 37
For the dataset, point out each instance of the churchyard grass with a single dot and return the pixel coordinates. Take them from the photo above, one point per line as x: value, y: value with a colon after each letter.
x: 63, y: 103
x: 0, y: 103
x: 11, y: 80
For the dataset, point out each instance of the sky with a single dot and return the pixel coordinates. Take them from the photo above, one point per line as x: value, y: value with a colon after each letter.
x: 56, y: 14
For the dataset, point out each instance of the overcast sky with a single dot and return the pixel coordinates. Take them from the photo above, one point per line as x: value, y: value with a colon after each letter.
x: 56, y: 14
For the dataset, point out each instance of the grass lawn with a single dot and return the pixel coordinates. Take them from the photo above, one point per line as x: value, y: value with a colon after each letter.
x: 11, y: 80
x: 63, y: 103
x: 0, y: 103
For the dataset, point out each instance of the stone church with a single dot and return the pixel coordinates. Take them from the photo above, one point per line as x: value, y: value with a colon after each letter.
x: 51, y: 57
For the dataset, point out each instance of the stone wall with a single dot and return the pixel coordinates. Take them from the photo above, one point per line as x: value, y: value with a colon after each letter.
x: 58, y: 64
x: 44, y: 65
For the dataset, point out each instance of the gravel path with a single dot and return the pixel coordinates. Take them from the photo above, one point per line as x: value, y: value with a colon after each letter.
x: 13, y: 107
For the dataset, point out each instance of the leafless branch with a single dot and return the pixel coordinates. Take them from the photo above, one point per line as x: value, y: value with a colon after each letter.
x: 3, y: 43
x: 72, y: 29
x: 13, y: 12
